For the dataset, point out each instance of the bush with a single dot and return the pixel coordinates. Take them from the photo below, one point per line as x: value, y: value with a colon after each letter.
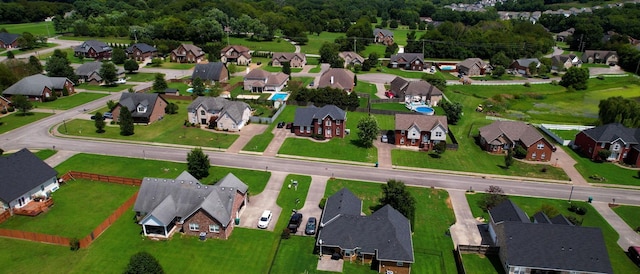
x: 520, y: 152
x: 527, y: 84
x: 544, y: 169
x: 554, y: 82
x: 4, y: 111
x: 574, y: 220
x: 11, y: 109
x: 581, y: 210
x: 285, y: 233
x: 572, y: 208
x: 322, y: 203
x: 74, y: 244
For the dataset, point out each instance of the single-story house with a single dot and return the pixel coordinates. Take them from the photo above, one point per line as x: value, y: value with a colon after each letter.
x: 351, y: 58
x: 623, y: 142
x: 609, y: 57
x: 141, y: 51
x: 90, y: 73
x: 236, y: 54
x: 522, y: 65
x: 409, y: 61
x: 328, y: 121
x: 210, y: 73
x: 24, y: 178
x: 145, y: 108
x: 565, y: 61
x: 259, y: 80
x: 219, y: 113
x: 383, y: 36
x: 164, y: 206
x: 39, y: 87
x: 93, y: 49
x: 339, y: 78
x: 382, y: 239
x: 295, y: 60
x: 416, y: 91
x: 546, y: 245
x: 472, y: 67
x: 500, y: 136
x: 422, y: 131
x: 9, y: 40
x: 187, y: 53
x: 563, y: 35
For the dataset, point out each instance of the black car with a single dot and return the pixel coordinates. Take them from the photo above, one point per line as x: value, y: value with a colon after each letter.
x: 281, y: 125
x: 294, y: 222
x: 311, y: 226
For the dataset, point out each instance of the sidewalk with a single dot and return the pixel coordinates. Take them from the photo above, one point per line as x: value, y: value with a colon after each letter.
x: 628, y: 237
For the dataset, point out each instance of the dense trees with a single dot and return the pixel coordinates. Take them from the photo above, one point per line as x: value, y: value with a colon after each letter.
x: 452, y: 110
x: 99, y: 122
x: 368, y: 130
x: 619, y: 110
x: 396, y: 194
x: 325, y: 96
x: 575, y: 78
x: 198, y: 163
x: 59, y: 66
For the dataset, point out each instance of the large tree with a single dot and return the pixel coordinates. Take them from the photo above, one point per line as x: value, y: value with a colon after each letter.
x: 198, y: 87
x: 131, y: 65
x: 21, y: 103
x: 59, y: 66
x: 126, y: 122
x: 159, y: 84
x: 435, y: 80
x: 99, y: 122
x: 329, y: 53
x: 34, y: 66
x: 118, y: 56
x: 143, y: 263
x: 452, y: 110
x: 108, y: 72
x: 575, y: 78
x: 619, y: 110
x: 494, y: 196
x: 198, y: 163
x: 368, y: 130
x: 396, y: 194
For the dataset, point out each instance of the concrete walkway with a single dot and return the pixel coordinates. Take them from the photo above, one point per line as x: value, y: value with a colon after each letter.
x: 628, y: 237
x: 380, y: 89
x: 59, y: 157
x: 384, y: 153
x: 263, y: 201
x: 465, y: 231
x: 279, y: 135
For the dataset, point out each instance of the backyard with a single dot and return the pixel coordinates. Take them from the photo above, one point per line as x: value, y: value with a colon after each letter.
x: 38, y: 28
x: 260, y: 142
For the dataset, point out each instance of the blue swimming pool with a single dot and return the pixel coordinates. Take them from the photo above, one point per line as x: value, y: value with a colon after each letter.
x: 447, y: 67
x: 424, y: 110
x: 279, y: 95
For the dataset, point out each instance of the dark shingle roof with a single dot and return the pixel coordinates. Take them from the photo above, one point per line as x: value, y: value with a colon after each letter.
x: 402, y: 87
x: 189, y: 47
x: 88, y: 68
x: 98, y: 46
x: 234, y: 109
x: 541, y: 218
x: 144, y: 48
x: 612, y: 132
x: 8, y: 38
x: 209, y: 71
x: 22, y: 172
x: 385, y: 32
x: 508, y: 211
x: 337, y: 78
x: 407, y: 57
x: 132, y: 100
x: 343, y: 202
x: 305, y: 116
x: 34, y: 85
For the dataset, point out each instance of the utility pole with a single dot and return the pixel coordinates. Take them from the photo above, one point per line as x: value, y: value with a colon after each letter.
x: 581, y: 45
x: 354, y: 45
x: 422, y: 47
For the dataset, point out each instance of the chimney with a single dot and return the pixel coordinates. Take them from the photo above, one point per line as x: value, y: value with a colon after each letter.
x: 332, y: 80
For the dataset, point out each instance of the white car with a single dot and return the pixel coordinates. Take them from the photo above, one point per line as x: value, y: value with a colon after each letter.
x: 384, y: 139
x: 264, y: 219
x: 121, y: 81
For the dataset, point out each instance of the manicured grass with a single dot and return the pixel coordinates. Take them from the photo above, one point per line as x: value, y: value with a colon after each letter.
x: 316, y: 69
x: 277, y: 45
x: 16, y: 120
x: 399, y: 72
x: 141, y: 77
x: 368, y: 88
x: 630, y: 215
x: 169, y: 130
x: 371, y: 48
x: 181, y: 87
x: 37, y: 28
x: 565, y: 134
x: 260, y: 142
x: 18, y: 255
x: 79, y: 207
x: 116, y: 88
x: 612, y: 173
x: 278, y: 69
x: 80, y: 39
x: 481, y: 264
x: 391, y: 106
x: 68, y: 102
x: 70, y: 57
x: 400, y: 34
x: 290, y: 199
x: 171, y: 65
x: 619, y: 260
x: 33, y: 50
x: 44, y: 154
x: 316, y: 41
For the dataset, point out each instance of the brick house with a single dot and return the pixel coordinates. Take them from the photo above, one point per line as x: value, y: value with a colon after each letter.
x: 236, y: 54
x: 383, y: 36
x: 408, y: 61
x: 623, y: 142
x: 328, y: 122
x: 609, y: 57
x: 89, y: 73
x: 422, y: 131
x: 259, y: 80
x: 93, y: 49
x: 338, y: 78
x: 500, y: 136
x: 4, y: 103
x: 39, y: 87
x: 472, y: 67
x: 8, y: 40
x: 351, y: 58
x: 141, y: 51
x: 565, y: 61
x: 415, y: 91
x: 295, y: 60
x: 166, y: 206
x: 145, y: 108
x: 187, y: 53
x: 210, y: 73
x: 219, y: 113
x: 522, y: 65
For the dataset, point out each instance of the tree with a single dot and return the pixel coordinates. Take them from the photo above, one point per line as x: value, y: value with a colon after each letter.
x: 198, y: 163
x: 575, y: 78
x: 118, y: 56
x: 10, y: 55
x: 500, y: 59
x: 508, y: 159
x: 396, y: 194
x: 498, y: 71
x: 619, y: 110
x: 131, y: 65
x: 520, y: 152
x: 159, y: 84
x: 99, y: 122
x: 368, y: 130
x: 171, y: 108
x: 58, y: 66
x: 604, y: 154
x: 329, y: 53
x: 435, y: 80
x: 126, y: 122
x: 21, y: 103
x: 27, y: 41
x: 452, y: 110
x: 198, y: 87
x: 494, y: 196
x: 286, y: 68
x: 143, y: 263
x: 109, y: 73
x: 34, y: 66
x: 533, y: 68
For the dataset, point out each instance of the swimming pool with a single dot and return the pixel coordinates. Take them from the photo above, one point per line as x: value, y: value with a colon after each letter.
x: 190, y: 90
x: 447, y: 67
x: 424, y: 110
x: 279, y: 95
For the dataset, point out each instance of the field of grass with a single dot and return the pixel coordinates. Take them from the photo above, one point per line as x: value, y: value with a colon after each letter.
x: 630, y: 215
x: 368, y: 88
x: 34, y: 51
x: 38, y: 28
x: 68, y: 102
x: 16, y: 120
x: 44, y: 154
x: 611, y: 173
x: 379, y: 49
x: 277, y: 45
x: 80, y: 39
x: 391, y: 106
x: 181, y: 87
x: 181, y: 66
x: 69, y: 216
x: 399, y: 72
x: 316, y: 69
x: 316, y: 41
x: 141, y: 77
x: 565, y: 134
x: 116, y: 88
x: 72, y: 59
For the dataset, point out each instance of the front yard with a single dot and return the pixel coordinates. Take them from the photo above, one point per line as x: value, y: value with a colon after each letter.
x: 603, y: 173
x: 69, y: 102
x: 15, y: 120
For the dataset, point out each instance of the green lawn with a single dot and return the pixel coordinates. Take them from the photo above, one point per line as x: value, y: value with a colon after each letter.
x: 398, y: 72
x: 141, y: 77
x: 316, y: 41
x: 69, y: 216
x: 391, y: 106
x: 33, y: 50
x: 260, y: 142
x: 316, y: 69
x: 292, y: 198
x: 116, y: 88
x: 379, y: 49
x: 565, y: 134
x: 368, y: 88
x: 80, y: 39
x: 68, y: 102
x: 70, y: 57
x: 619, y: 260
x: 612, y: 173
x: 16, y: 120
x: 481, y: 264
x: 630, y: 214
x: 181, y: 87
x: 277, y: 45
x: 38, y: 28
x: 172, y: 65
x: 44, y: 154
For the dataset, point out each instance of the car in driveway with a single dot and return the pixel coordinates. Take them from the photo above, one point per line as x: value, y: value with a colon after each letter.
x: 265, y: 219
x: 121, y: 81
x: 294, y: 222
x: 108, y: 115
x: 384, y: 139
x: 310, y: 229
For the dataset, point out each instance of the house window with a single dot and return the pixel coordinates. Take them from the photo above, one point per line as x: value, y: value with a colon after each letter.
x: 533, y: 156
x: 202, y: 112
x: 425, y: 138
x: 540, y: 146
x: 308, y: 129
x: 616, y: 147
x: 602, y: 145
x: 327, y: 123
x: 438, y: 134
x: 402, y: 141
x: 543, y: 156
x: 319, y: 130
x: 337, y: 122
x: 142, y: 108
x: 337, y: 131
x: 194, y: 226
x: 399, y: 263
x: 328, y: 132
x: 413, y: 142
x: 214, y: 228
x: 402, y: 132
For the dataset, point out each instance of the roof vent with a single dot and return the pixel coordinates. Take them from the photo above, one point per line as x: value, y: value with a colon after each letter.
x: 198, y: 186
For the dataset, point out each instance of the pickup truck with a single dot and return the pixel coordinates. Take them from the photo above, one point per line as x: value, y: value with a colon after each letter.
x: 294, y: 222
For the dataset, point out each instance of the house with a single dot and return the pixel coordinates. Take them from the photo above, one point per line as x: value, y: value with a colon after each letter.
x: 219, y: 113
x: 500, y: 136
x: 562, y: 36
x: 609, y: 57
x: 422, y: 131
x: 210, y: 73
x: 409, y: 61
x: 351, y: 58
x: 236, y: 54
x: 145, y: 108
x: 338, y: 78
x: 622, y: 142
x: 328, y: 122
x: 416, y: 91
x: 295, y: 60
x: 90, y: 73
x: 187, y: 53
x: 24, y: 178
x: 259, y: 80
x: 472, y: 67
x: 565, y: 61
x: 4, y: 103
x: 546, y: 245
x: 93, y: 49
x: 522, y: 65
x: 39, y: 87
x: 8, y: 40
x: 382, y: 239
x: 184, y: 204
x: 141, y: 51
x: 383, y: 36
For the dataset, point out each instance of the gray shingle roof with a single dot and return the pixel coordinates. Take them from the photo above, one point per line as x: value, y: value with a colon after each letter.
x: 508, y: 211
x: 208, y: 71
x: 526, y: 61
x: 541, y: 218
x: 22, y: 172
x: 98, y: 46
x: 385, y: 32
x: 34, y: 85
x: 351, y: 55
x: 407, y: 57
x: 470, y: 62
x: 513, y: 130
x: 305, y: 116
x: 612, y: 132
x: 132, y: 100
x: 343, y: 202
x: 88, y: 68
x: 600, y: 54
x: 8, y: 38
x: 144, y: 48
x: 423, y: 122
x: 287, y: 56
x: 189, y: 47
x: 402, y: 87
x: 234, y: 109
x: 270, y: 79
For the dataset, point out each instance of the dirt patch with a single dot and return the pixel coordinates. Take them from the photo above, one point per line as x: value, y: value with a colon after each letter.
x: 448, y: 201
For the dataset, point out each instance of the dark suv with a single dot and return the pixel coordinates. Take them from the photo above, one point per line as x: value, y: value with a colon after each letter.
x: 294, y: 222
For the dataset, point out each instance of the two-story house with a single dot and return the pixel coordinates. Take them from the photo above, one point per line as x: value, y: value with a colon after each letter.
x: 259, y: 80
x: 219, y: 113
x: 145, y: 108
x: 422, y: 131
x: 93, y: 49
x: 622, y: 142
x: 295, y: 60
x: 235, y: 54
x: 326, y: 122
x: 187, y: 53
x: 141, y: 51
x: 408, y: 61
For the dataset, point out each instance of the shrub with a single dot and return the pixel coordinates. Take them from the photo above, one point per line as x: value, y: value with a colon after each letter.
x: 574, y: 220
x: 554, y: 82
x: 572, y: 208
x: 74, y: 244
x: 527, y: 84
x: 520, y: 152
x: 544, y: 169
x: 4, y: 111
x: 581, y: 210
x: 285, y: 233
x: 600, y: 77
x: 11, y: 109
x: 638, y: 229
x: 440, y: 147
x: 322, y: 203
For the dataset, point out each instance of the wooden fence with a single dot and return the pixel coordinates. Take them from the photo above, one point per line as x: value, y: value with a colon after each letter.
x: 103, y: 178
x: 34, y: 236
x: 86, y: 241
x: 4, y: 216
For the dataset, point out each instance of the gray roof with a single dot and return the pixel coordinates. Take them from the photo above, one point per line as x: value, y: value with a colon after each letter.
x: 132, y: 100
x: 526, y: 61
x: 402, y: 87
x: 22, y: 172
x: 189, y: 47
x: 208, y: 71
x: 34, y: 85
x: 612, y: 132
x: 269, y: 79
x: 385, y: 32
x: 386, y: 232
x: 337, y: 78
x: 144, y: 48
x: 508, y: 211
x: 354, y: 56
x: 470, y: 62
x: 403, y: 58
x: 88, y: 68
x: 305, y: 116
x: 8, y: 38
x: 98, y: 46
x: 601, y: 54
x: 288, y: 56
x: 541, y: 218
x: 234, y: 109
x: 513, y: 130
x: 560, y: 220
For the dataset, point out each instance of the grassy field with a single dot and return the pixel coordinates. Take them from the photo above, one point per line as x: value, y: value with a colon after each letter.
x: 181, y: 66
x: 316, y: 41
x: 80, y: 39
x: 69, y: 216
x: 181, y: 87
x: 34, y: 51
x: 38, y: 28
x: 68, y: 102
x: 368, y: 88
x: 16, y: 120
x: 398, y: 72
x: 630, y: 214
x: 72, y: 59
x: 619, y: 260
x: 277, y: 45
x: 611, y: 173
x: 116, y: 88
x: 141, y: 77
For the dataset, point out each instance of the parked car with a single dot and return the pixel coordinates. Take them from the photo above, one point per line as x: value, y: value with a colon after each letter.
x: 281, y: 124
x: 311, y: 226
x: 121, y: 81
x: 634, y: 254
x: 265, y: 219
x: 294, y: 222
x: 389, y: 94
x: 108, y: 115
x: 289, y: 126
x: 384, y: 139
x: 311, y: 84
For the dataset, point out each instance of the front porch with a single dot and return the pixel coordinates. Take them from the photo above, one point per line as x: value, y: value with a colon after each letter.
x: 35, y: 207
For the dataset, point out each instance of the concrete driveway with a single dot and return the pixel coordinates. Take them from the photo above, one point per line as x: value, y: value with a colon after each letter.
x: 279, y: 135
x: 465, y: 231
x: 246, y: 134
x: 384, y: 153
x: 628, y: 237
x: 315, y: 194
x: 265, y: 200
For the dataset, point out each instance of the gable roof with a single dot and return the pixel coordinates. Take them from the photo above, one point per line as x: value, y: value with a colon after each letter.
x: 305, y: 116
x: 402, y: 87
x: 88, y: 68
x: 132, y: 100
x: 144, y: 48
x: 384, y: 32
x: 612, y: 132
x: 188, y: 47
x: 470, y: 62
x: 337, y: 78
x: 8, y: 38
x: 22, y: 172
x: 343, y: 202
x: 270, y: 79
x: 351, y: 55
x: 208, y: 71
x: 34, y: 85
x: 407, y: 57
x: 98, y: 46
x: 562, y: 58
x: 234, y: 109
x: 602, y: 54
x: 508, y: 211
x: 524, y: 62
x: 287, y: 56
x: 237, y: 51
x: 514, y: 130
x: 423, y: 122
